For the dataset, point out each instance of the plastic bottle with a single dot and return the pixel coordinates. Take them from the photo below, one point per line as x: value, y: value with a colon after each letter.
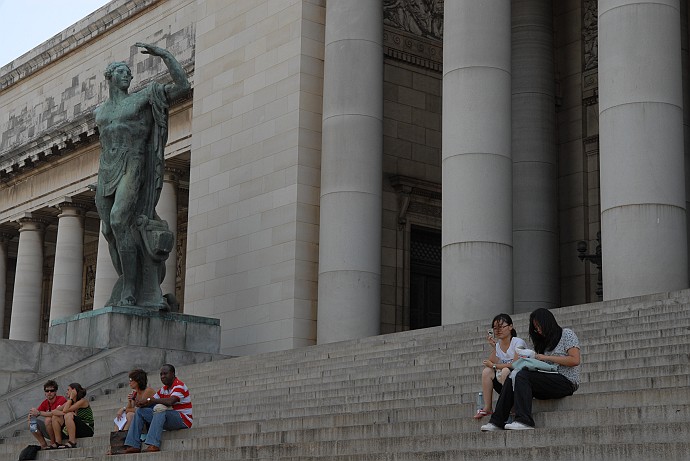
x: 33, y: 426
x: 480, y: 401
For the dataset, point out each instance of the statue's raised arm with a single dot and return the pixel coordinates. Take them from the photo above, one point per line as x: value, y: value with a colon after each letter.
x: 180, y: 85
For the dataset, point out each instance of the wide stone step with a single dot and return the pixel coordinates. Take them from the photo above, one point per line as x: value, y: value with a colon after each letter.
x: 279, y: 373
x: 373, y: 349
x: 347, y: 393
x: 446, y: 406
x: 631, y: 435
x: 285, y: 376
x: 411, y: 396
x: 432, y: 421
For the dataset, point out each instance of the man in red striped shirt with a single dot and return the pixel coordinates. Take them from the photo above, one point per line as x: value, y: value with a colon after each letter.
x: 157, y: 413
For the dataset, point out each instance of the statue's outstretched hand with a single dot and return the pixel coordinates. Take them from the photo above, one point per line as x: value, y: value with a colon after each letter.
x: 151, y: 49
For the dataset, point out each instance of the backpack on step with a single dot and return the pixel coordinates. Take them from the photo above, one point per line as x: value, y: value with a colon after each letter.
x: 30, y: 452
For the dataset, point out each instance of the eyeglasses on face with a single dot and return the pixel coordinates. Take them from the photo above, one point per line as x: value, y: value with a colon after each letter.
x: 500, y: 327
x: 50, y: 390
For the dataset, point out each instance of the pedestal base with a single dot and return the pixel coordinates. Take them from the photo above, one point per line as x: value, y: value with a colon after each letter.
x: 115, y: 326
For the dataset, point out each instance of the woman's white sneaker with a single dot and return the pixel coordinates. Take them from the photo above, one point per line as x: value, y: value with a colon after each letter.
x: 489, y: 427
x: 516, y: 426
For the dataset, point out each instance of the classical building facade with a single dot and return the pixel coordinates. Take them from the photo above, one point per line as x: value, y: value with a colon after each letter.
x: 354, y: 167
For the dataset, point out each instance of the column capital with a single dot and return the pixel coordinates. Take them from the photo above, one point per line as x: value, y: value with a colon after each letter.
x: 32, y: 223
x: 74, y: 209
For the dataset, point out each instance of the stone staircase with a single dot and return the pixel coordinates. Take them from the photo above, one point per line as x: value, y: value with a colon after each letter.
x: 410, y: 396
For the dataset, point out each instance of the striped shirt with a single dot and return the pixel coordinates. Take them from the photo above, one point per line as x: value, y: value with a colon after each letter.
x: 184, y: 405
x: 86, y: 415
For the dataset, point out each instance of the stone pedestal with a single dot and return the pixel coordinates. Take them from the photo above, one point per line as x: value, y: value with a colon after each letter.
x: 114, y: 326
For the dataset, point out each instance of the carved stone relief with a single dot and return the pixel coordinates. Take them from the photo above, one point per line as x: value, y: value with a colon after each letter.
x: 89, y: 276
x: 423, y: 18
x: 181, y: 250
x: 590, y: 35
x: 413, y: 32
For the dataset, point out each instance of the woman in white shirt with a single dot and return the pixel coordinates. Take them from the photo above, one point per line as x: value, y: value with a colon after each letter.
x: 497, y: 366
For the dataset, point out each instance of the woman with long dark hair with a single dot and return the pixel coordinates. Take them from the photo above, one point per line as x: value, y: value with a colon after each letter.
x: 76, y: 418
x: 552, y: 344
x: 497, y: 367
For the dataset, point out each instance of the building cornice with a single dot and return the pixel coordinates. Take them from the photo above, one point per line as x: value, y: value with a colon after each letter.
x: 64, y: 138
x: 90, y: 28
x: 412, y: 49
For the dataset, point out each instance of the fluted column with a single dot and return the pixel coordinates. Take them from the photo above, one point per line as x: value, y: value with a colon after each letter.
x: 643, y: 241
x: 167, y: 210
x: 25, y: 323
x: 106, y: 275
x: 349, y: 298
x: 4, y: 240
x: 535, y: 231
x: 476, y: 161
x: 66, y: 297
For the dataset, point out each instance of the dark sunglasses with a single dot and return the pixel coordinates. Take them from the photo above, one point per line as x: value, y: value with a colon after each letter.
x: 50, y: 390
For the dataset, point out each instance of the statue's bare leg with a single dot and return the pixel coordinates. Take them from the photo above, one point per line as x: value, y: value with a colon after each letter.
x: 121, y: 218
x: 104, y: 205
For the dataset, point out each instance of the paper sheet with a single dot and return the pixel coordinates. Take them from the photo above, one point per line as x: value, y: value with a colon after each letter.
x: 120, y: 422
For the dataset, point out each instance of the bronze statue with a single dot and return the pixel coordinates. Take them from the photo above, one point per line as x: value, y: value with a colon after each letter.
x: 133, y: 131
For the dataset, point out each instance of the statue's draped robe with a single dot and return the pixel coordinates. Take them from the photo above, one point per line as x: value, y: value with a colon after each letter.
x: 113, y: 164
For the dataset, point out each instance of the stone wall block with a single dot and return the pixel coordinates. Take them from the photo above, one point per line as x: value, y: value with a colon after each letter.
x: 166, y: 334
x: 138, y: 331
x: 54, y: 358
x: 16, y: 380
x: 137, y: 357
x: 197, y: 338
x: 57, y: 334
x: 19, y: 356
x: 6, y: 414
x: 80, y: 335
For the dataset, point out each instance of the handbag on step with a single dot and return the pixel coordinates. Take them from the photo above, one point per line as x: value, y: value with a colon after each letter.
x: 117, y: 442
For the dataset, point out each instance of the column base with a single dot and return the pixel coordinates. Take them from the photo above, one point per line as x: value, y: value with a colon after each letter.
x: 115, y: 326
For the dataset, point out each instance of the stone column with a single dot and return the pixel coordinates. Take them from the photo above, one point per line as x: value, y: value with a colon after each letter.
x: 66, y: 297
x: 685, y: 52
x: 167, y: 210
x: 25, y: 323
x: 477, y: 252
x: 106, y: 275
x: 643, y: 241
x: 535, y: 236
x: 4, y: 240
x: 349, y: 297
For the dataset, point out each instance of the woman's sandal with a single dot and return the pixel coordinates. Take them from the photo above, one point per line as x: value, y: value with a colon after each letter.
x: 481, y: 413
x: 68, y: 445
x: 50, y: 447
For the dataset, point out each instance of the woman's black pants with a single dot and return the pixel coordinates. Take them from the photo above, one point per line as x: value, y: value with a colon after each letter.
x: 528, y: 385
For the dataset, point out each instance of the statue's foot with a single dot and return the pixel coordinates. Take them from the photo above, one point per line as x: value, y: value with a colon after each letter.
x: 129, y: 300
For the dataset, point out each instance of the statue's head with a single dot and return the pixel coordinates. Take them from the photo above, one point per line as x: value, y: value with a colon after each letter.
x: 112, y: 66
x: 118, y: 72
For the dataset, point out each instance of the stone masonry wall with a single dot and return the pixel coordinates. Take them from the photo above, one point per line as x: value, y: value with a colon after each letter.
x: 252, y: 247
x: 411, y: 150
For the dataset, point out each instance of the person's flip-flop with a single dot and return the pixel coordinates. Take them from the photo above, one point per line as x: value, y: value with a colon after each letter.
x: 68, y: 445
x: 481, y: 413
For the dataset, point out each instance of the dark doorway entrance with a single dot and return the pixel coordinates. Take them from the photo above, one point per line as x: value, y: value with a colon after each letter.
x: 425, y: 277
